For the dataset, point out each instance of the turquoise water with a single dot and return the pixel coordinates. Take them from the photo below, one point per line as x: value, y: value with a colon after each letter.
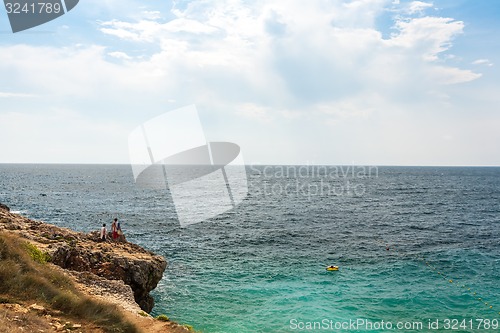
x: 261, y: 266
x: 397, y: 290
x: 263, y: 296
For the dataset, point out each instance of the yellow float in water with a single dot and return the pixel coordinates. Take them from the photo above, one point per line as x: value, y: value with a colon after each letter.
x: 332, y: 268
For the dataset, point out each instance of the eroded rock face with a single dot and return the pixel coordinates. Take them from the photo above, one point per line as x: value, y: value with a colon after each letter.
x: 3, y: 207
x: 140, y: 269
x: 135, y: 266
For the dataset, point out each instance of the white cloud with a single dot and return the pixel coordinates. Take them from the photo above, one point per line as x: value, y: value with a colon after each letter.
x: 55, y: 136
x: 295, y: 52
x: 418, y: 7
x: 152, y: 14
x: 255, y: 112
x: 152, y: 31
x: 15, y: 95
x: 120, y: 55
x: 451, y: 75
x: 190, y: 26
x: 427, y: 36
x: 142, y: 31
x: 237, y: 32
x: 72, y: 72
x: 361, y: 105
x: 482, y: 62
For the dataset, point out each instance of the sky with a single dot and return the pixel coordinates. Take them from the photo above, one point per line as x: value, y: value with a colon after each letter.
x: 365, y: 82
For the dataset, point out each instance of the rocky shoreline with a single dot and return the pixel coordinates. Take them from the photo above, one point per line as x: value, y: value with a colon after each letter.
x: 115, y: 272
x: 137, y: 268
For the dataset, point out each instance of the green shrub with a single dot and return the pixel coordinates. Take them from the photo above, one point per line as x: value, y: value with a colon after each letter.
x: 163, y: 317
x: 36, y: 254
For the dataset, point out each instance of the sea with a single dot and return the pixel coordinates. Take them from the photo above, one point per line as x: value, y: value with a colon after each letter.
x: 418, y: 248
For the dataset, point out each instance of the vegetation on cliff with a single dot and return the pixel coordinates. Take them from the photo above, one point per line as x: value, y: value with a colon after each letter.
x: 24, y: 277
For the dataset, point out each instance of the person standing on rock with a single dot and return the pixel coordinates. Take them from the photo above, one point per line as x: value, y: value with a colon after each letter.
x: 114, y: 229
x: 119, y: 229
x: 103, y: 232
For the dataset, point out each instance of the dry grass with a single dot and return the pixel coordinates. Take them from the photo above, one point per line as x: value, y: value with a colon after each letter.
x: 25, y: 277
x: 21, y: 323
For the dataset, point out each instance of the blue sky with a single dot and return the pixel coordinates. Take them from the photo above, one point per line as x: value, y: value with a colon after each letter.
x: 379, y: 82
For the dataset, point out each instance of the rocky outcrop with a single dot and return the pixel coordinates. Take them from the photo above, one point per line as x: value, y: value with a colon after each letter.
x: 114, y: 291
x: 3, y: 207
x: 128, y: 262
x: 138, y: 268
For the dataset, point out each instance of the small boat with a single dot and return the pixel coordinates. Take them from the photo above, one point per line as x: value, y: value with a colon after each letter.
x: 332, y: 268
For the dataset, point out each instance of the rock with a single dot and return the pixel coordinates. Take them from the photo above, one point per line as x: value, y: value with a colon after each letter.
x: 58, y: 326
x: 115, y: 291
x: 37, y: 308
x: 138, y: 268
x: 4, y: 207
x: 17, y: 308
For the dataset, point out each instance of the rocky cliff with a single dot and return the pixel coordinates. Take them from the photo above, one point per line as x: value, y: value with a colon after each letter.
x: 130, y: 263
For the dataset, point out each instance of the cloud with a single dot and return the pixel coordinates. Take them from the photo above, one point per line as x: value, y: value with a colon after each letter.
x: 276, y: 68
x: 55, y: 136
x: 485, y: 62
x: 418, y: 7
x: 299, y: 51
x: 361, y: 105
x: 255, y: 111
x: 73, y: 72
x: 275, y: 55
x: 152, y: 14
x: 427, y: 36
x: 120, y: 55
x: 151, y: 31
x: 283, y: 56
x: 142, y: 31
x: 451, y: 75
x: 15, y: 95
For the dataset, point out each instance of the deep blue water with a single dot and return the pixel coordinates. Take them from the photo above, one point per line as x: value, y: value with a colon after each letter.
x: 261, y: 266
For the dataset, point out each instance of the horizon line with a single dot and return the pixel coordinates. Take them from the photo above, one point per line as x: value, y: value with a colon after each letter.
x: 285, y: 164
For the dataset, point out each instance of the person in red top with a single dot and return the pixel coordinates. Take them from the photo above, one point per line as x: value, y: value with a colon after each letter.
x: 114, y: 229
